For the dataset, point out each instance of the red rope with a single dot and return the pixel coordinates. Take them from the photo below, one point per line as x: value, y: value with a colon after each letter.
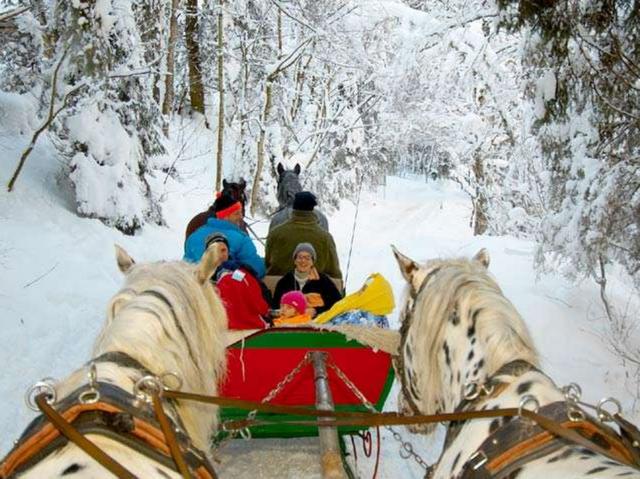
x: 366, y: 443
x: 375, y: 470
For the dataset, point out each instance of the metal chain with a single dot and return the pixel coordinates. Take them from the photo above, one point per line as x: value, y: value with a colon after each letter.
x: 406, y: 448
x: 246, y: 433
x: 287, y: 379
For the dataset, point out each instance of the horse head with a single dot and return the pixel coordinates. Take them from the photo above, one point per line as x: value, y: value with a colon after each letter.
x: 457, y: 329
x: 165, y: 329
x: 237, y: 190
x: 288, y: 184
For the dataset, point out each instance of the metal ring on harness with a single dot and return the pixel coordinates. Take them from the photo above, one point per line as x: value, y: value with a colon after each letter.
x: 572, y: 392
x: 91, y: 395
x: 44, y: 386
x: 174, y: 375
x: 526, y: 399
x: 471, y: 391
x: 146, y: 387
x: 603, y: 414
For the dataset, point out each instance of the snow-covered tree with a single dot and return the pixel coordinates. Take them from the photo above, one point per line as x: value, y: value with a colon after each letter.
x: 22, y: 55
x: 585, y: 89
x: 110, y: 133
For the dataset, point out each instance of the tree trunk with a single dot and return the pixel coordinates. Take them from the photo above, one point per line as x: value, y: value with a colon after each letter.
x: 196, y: 90
x: 169, y: 90
x: 261, y: 142
x: 220, y: 98
x: 480, y: 219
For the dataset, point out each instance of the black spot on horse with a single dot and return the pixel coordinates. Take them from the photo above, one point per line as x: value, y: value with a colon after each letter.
x: 447, y: 357
x: 458, y: 377
x: 597, y: 469
x: 524, y: 387
x: 587, y: 452
x: 454, y: 318
x: 553, y: 459
x: 480, y: 363
x: 470, y: 356
x: 455, y: 462
x: 72, y: 469
x: 471, y: 330
x: 626, y: 473
x: 162, y: 473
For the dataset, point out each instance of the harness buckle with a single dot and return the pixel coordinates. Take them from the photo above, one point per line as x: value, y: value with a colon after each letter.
x: 477, y: 460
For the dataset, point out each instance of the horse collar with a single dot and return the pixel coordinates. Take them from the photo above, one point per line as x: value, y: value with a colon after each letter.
x: 115, y: 414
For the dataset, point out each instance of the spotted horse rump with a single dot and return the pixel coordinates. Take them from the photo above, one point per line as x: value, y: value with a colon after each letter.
x: 464, y: 347
x: 164, y: 328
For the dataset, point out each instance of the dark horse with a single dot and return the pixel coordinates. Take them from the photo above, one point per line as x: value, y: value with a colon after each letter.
x: 236, y: 191
x: 288, y: 186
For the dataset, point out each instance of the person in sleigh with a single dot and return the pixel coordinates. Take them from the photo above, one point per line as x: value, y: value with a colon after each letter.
x: 319, y: 290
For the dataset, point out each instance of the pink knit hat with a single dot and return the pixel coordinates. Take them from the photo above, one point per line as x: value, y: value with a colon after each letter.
x: 295, y: 299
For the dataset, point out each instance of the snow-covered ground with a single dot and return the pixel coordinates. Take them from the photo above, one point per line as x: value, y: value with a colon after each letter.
x: 58, y: 272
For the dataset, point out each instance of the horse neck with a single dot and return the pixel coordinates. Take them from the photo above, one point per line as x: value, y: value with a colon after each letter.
x: 461, y: 358
x: 136, y: 332
x: 483, y: 333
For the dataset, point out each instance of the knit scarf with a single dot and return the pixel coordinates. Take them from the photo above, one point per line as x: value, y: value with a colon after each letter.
x: 302, y: 278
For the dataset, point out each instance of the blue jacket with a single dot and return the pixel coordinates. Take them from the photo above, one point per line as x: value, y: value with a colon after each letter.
x: 241, y: 248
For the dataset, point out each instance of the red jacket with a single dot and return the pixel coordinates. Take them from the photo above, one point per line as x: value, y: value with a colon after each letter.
x: 242, y: 298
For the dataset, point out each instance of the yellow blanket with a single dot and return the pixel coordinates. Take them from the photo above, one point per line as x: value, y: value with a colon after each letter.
x: 375, y: 296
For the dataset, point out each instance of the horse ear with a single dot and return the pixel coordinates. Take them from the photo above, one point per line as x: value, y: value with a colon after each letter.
x: 482, y: 257
x: 224, y: 183
x: 209, y: 262
x: 280, y: 168
x: 296, y: 169
x: 125, y: 262
x: 242, y: 183
x: 407, y: 266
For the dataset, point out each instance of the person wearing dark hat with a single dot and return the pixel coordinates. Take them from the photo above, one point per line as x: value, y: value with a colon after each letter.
x: 303, y: 227
x: 228, y: 214
x: 302, y: 204
x: 319, y: 290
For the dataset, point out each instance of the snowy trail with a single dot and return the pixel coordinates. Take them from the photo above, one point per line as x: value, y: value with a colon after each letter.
x: 270, y: 458
x: 59, y: 273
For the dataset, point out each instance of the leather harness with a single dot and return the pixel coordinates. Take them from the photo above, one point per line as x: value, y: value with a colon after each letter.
x: 117, y: 415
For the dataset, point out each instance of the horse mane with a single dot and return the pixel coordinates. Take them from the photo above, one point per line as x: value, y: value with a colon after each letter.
x: 465, y: 286
x: 168, y: 321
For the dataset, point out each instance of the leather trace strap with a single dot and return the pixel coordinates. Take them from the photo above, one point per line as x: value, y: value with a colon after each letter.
x: 170, y: 437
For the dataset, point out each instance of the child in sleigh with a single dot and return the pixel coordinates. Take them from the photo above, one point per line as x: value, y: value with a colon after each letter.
x: 293, y: 310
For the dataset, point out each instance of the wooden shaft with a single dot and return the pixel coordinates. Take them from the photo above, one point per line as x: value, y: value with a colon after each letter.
x: 331, y: 460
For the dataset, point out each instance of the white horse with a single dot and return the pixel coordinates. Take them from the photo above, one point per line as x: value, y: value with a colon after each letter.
x: 168, y: 323
x: 464, y: 347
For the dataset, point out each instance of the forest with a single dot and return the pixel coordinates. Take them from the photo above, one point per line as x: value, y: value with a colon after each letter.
x: 531, y: 107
